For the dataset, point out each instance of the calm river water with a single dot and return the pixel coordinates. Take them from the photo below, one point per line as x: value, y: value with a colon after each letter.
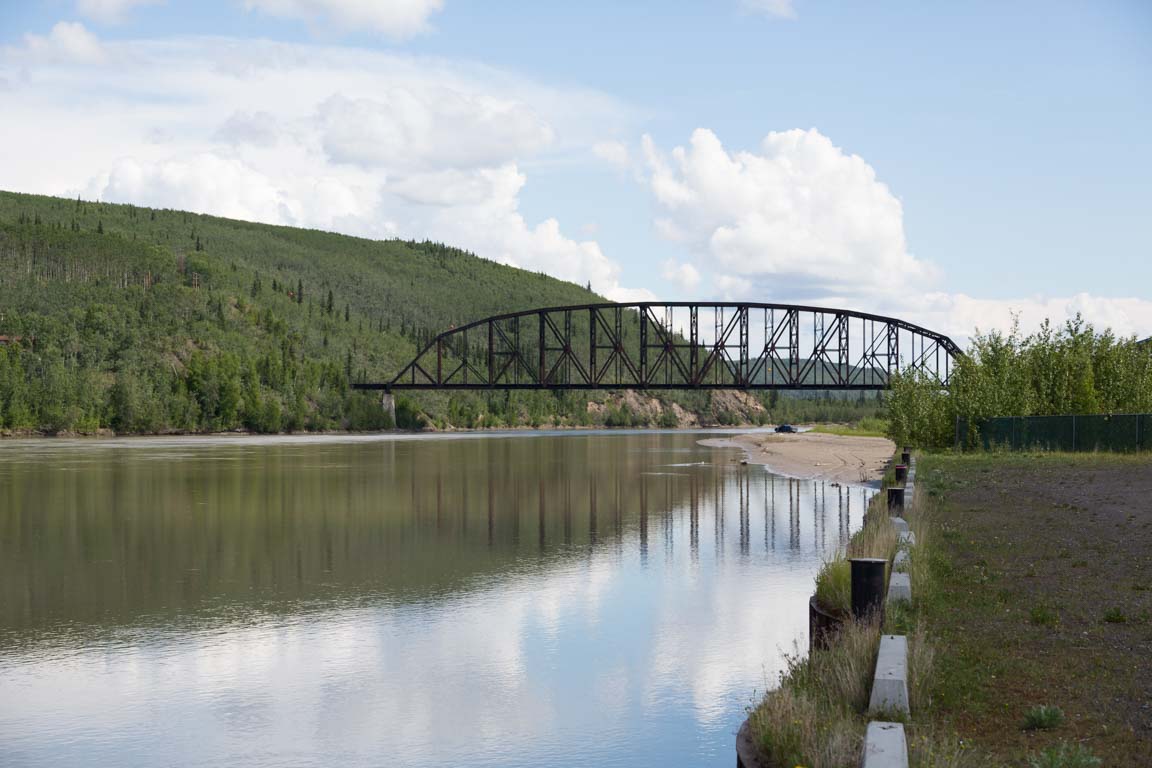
x: 497, y: 600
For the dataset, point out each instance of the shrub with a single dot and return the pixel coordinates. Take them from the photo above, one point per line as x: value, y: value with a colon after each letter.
x: 1043, y: 717
x: 1063, y: 756
x: 727, y: 418
x: 1115, y: 616
x: 1043, y: 616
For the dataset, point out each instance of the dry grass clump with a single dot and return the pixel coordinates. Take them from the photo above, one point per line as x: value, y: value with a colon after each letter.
x: 930, y: 748
x: 877, y: 537
x: 834, y: 586
x: 814, y: 718
x: 921, y: 657
x: 791, y: 728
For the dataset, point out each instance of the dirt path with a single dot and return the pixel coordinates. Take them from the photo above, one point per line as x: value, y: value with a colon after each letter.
x: 813, y: 455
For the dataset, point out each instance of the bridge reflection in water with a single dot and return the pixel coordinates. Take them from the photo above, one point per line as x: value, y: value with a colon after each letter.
x: 575, y: 599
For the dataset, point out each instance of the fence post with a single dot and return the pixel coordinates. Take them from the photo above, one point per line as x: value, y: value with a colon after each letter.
x: 1073, y: 433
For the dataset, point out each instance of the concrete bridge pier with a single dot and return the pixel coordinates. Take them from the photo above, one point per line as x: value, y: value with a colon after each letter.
x: 388, y: 401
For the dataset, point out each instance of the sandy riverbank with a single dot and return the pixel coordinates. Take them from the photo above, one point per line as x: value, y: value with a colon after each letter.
x: 813, y: 455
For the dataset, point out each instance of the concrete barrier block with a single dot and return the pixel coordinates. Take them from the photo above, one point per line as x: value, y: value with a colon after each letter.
x: 899, y: 587
x: 900, y: 562
x: 885, y: 746
x: 890, y: 685
x: 900, y: 524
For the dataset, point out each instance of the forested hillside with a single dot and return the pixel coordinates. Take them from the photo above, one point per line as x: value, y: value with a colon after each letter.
x: 141, y: 320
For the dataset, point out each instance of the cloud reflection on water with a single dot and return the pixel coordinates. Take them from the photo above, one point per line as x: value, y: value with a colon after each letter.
x: 646, y: 638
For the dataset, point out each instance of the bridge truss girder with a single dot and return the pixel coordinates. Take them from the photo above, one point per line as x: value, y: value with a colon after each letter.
x: 655, y: 346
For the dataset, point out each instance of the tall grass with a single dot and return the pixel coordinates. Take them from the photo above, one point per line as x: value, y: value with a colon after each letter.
x: 921, y: 658
x: 869, y: 426
x: 877, y: 537
x: 814, y: 718
x: 929, y: 747
x: 834, y: 586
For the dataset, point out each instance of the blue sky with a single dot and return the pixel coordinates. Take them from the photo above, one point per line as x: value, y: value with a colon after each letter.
x: 951, y: 163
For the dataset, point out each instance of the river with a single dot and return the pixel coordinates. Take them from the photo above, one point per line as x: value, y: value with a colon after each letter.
x: 523, y: 599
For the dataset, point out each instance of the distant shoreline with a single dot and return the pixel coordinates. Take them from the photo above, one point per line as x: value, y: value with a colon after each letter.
x: 107, y: 434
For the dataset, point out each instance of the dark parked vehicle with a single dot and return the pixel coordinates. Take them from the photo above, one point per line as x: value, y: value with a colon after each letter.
x: 785, y: 428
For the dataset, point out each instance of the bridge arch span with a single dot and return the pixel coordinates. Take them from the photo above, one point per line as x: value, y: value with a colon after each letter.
x: 677, y: 345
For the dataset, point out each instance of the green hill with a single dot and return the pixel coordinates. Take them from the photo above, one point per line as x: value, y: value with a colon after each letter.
x: 142, y: 320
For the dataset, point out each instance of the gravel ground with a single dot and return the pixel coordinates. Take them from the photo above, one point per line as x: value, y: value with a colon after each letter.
x: 1044, y: 596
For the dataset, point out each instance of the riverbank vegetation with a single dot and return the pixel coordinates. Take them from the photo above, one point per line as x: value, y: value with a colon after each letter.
x: 817, y: 716
x: 876, y: 538
x: 867, y: 426
x: 140, y: 320
x: 1073, y: 369
x: 814, y: 717
x: 1009, y: 666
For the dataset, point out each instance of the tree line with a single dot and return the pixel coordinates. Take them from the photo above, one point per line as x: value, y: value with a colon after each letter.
x: 1069, y: 369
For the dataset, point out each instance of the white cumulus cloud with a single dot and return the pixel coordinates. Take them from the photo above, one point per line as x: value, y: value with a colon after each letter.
x: 960, y: 315
x: 202, y: 182
x: 615, y: 153
x: 354, y: 141
x: 396, y: 19
x: 781, y: 9
x: 431, y: 126
x: 800, y: 220
x: 798, y: 217
x: 110, y: 11
x: 244, y: 127
x: 683, y: 275
x: 67, y: 42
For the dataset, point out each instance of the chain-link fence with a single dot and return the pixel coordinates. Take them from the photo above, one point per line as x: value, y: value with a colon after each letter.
x: 1123, y: 432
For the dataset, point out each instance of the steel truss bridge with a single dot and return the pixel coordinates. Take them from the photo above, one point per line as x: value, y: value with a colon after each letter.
x: 677, y: 345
